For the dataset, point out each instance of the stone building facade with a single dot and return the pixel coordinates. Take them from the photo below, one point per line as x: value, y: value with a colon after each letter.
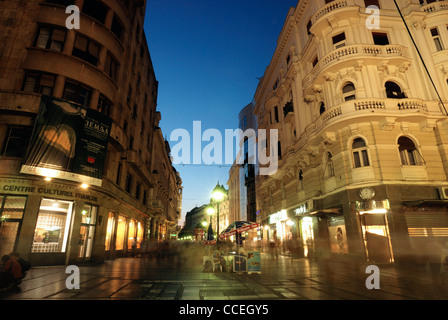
x: 362, y: 148
x: 104, y: 66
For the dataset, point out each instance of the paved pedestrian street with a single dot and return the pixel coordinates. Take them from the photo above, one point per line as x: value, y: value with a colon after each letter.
x: 284, y: 278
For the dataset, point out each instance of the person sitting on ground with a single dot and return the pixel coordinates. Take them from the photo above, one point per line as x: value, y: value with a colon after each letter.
x: 11, y: 273
x: 25, y: 265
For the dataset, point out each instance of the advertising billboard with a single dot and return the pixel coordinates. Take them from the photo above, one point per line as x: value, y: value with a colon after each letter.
x: 69, y: 142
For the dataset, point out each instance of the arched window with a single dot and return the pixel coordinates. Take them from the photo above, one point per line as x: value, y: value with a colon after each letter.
x: 408, y: 152
x: 349, y: 92
x: 322, y: 108
x: 329, y: 167
x: 300, y: 183
x: 360, y: 155
x: 393, y: 91
x: 279, y: 145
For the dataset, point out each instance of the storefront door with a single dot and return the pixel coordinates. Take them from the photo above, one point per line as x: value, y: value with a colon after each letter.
x: 87, y: 232
x: 11, y: 214
x: 376, y: 238
x: 52, y: 227
x: 307, y: 236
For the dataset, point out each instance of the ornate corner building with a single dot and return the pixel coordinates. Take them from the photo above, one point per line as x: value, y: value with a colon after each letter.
x: 362, y: 123
x: 105, y: 69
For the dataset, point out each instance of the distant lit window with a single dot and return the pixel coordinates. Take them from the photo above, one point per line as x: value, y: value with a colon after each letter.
x: 349, y: 92
x: 329, y: 166
x: 104, y: 105
x: 394, y: 91
x: 77, y: 92
x: 111, y: 66
x: 437, y: 40
x: 39, y: 82
x: 380, y: 39
x: 86, y: 49
x: 117, y: 27
x: 339, y: 40
x: 408, y: 152
x: 64, y: 3
x: 369, y: 3
x: 360, y: 155
x: 95, y: 9
x: 50, y: 38
x: 16, y: 142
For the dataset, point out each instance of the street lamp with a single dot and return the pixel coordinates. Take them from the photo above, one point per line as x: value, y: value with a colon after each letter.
x: 217, y: 197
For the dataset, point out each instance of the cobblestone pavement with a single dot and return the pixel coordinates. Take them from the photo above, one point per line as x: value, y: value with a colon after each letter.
x: 282, y: 279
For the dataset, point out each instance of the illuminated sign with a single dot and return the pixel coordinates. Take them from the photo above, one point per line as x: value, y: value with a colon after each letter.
x: 304, y: 208
x: 278, y: 216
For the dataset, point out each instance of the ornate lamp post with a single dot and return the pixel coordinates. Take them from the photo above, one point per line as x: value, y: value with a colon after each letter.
x: 217, y: 197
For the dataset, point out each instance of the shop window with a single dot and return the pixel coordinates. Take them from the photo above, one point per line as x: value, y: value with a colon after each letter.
x: 436, y: 38
x: 409, y: 154
x: 110, y: 231
x: 132, y: 234
x: 95, y: 9
x: 11, y: 214
x: 339, y: 40
x: 121, y: 232
x: 360, y: 155
x: 117, y: 27
x: 393, y: 91
x: 76, y: 92
x: 349, y: 92
x: 139, y: 234
x: 50, y: 38
x: 380, y: 39
x: 39, y: 82
x: 87, y: 231
x: 329, y: 166
x: 86, y: 49
x: 16, y: 142
x: 52, y: 227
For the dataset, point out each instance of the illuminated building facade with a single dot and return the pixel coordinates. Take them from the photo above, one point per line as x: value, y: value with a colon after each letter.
x: 362, y: 131
x: 103, y: 68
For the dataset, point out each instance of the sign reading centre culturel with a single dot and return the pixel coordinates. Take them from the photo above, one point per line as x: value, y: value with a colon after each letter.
x: 68, y: 142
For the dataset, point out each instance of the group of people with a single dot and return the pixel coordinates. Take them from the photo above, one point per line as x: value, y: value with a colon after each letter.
x: 12, y: 270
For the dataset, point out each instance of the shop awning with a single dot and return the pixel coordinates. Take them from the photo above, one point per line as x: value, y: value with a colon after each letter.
x: 423, y: 203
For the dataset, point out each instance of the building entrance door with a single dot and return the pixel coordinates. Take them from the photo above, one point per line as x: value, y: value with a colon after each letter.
x: 308, y: 236
x: 87, y: 231
x: 376, y: 238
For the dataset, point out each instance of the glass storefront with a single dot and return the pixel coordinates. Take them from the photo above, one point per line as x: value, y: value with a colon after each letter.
x: 11, y: 214
x: 87, y: 232
x: 306, y: 225
x: 337, y: 235
x: 52, y: 227
x: 121, y: 232
x: 110, y: 230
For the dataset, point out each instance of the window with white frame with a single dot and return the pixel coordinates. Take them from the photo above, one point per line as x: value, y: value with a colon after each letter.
x: 436, y: 38
x: 409, y: 154
x: 360, y: 154
x: 329, y: 166
x: 349, y: 92
x: 339, y: 40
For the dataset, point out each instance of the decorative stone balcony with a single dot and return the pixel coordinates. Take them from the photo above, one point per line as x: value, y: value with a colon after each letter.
x: 356, y: 52
x: 435, y: 7
x: 368, y: 107
x: 331, y: 7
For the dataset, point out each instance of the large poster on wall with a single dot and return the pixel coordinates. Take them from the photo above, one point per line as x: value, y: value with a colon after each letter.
x: 68, y: 142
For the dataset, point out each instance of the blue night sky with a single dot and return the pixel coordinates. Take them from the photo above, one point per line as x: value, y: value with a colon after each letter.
x: 207, y: 56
